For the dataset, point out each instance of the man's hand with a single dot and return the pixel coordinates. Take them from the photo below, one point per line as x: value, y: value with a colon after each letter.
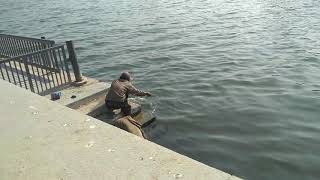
x: 147, y: 94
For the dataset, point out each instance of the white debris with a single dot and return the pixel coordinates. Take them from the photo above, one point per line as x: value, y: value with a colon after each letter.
x: 92, y: 126
x: 111, y: 150
x: 65, y: 125
x: 90, y: 144
x: 177, y: 176
x: 151, y: 158
x: 87, y: 120
x: 28, y: 137
x: 35, y: 113
x: 32, y: 107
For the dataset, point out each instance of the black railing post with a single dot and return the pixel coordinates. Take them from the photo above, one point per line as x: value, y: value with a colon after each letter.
x: 74, y: 61
x: 26, y: 66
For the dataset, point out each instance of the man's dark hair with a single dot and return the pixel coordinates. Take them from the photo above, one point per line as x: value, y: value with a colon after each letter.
x: 125, y: 76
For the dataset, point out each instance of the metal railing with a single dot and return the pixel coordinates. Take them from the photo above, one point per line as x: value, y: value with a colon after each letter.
x: 12, y: 46
x: 40, y: 71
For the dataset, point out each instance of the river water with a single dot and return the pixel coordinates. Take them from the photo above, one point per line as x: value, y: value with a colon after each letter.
x: 235, y: 82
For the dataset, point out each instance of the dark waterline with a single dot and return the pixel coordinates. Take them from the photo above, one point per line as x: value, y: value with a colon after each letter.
x: 235, y: 81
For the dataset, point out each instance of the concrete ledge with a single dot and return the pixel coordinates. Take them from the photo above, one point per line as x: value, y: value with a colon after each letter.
x: 87, y: 92
x: 41, y: 139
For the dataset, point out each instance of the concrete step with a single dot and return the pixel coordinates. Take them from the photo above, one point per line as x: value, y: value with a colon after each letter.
x: 76, y: 96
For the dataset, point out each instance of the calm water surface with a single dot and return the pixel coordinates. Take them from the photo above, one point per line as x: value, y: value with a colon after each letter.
x: 235, y: 81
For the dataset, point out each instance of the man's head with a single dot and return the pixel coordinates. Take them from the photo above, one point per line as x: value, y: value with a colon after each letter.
x: 125, y: 76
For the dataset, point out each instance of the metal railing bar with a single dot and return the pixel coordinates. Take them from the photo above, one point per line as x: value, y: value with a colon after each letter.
x: 49, y: 59
x: 2, y: 72
x: 61, y: 64
x: 50, y: 42
x: 9, y: 47
x: 15, y: 66
x: 51, y: 73
x: 42, y: 72
x: 25, y: 47
x: 5, y: 46
x: 41, y: 69
x: 38, y: 45
x: 43, y: 50
x: 36, y: 59
x: 31, y: 63
x: 57, y: 65
x: 1, y: 44
x: 13, y: 76
x: 28, y: 73
x: 20, y: 46
x: 66, y: 64
x: 5, y: 67
x: 12, y: 47
x: 17, y: 49
x: 35, y: 47
x: 33, y: 73
x: 33, y: 76
x: 24, y: 80
x: 47, y: 73
x: 32, y: 50
x: 53, y: 64
x: 30, y: 46
x: 40, y: 81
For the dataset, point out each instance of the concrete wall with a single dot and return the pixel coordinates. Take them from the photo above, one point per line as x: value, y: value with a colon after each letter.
x: 41, y: 139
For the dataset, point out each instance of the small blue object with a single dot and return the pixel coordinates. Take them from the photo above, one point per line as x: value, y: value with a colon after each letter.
x: 56, y: 95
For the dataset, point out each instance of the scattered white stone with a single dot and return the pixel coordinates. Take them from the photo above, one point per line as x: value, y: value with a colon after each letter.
x: 92, y: 126
x: 111, y: 150
x: 141, y: 158
x: 87, y: 120
x: 32, y: 107
x: 177, y: 176
x: 90, y: 144
x: 35, y: 113
x: 65, y: 125
x: 28, y: 137
x: 151, y: 158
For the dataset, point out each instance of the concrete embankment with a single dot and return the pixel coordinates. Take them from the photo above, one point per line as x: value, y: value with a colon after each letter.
x: 41, y: 139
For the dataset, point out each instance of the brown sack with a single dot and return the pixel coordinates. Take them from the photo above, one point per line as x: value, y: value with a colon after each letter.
x: 128, y: 124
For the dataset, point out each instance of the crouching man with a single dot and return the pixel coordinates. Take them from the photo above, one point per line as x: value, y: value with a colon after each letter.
x: 117, y: 96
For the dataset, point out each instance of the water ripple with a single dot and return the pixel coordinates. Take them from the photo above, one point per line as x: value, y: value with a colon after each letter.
x: 237, y: 81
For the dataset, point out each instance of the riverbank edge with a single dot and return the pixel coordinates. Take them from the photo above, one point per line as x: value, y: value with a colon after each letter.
x: 44, y: 139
